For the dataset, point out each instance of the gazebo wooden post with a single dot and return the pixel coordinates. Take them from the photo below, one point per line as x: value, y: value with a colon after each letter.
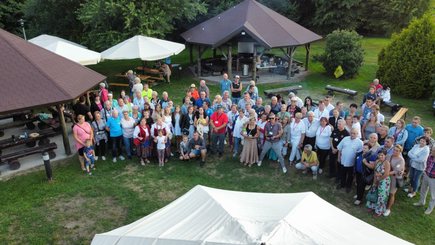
x: 65, y: 138
x: 291, y: 52
x: 191, y: 54
x: 229, y: 62
x: 199, y: 60
x: 254, y: 65
x: 307, y: 55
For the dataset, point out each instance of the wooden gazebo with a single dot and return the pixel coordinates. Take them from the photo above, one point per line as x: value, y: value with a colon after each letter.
x: 249, y: 18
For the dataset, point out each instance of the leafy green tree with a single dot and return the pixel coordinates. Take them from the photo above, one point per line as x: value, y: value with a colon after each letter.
x: 10, y: 13
x: 343, y: 48
x: 336, y: 14
x: 408, y: 62
x: 107, y: 22
x: 54, y: 17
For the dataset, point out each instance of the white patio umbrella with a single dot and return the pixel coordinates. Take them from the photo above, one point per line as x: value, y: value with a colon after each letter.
x: 144, y: 48
x: 67, y: 49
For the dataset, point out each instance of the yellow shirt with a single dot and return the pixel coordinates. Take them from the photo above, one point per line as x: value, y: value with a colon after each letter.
x: 311, y: 159
x: 148, y: 94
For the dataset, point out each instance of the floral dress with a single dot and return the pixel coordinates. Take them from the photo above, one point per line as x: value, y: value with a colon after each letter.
x: 383, y: 189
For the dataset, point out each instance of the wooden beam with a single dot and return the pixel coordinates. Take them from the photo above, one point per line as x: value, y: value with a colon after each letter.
x: 307, y: 55
x: 230, y: 62
x: 291, y: 52
x: 199, y: 61
x: 254, y: 65
x: 65, y: 138
x: 191, y: 54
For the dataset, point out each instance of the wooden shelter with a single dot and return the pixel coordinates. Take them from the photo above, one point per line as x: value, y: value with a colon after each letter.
x: 32, y: 77
x: 265, y: 27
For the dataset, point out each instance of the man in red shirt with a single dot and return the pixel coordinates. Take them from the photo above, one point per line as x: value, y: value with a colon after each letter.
x: 218, y: 122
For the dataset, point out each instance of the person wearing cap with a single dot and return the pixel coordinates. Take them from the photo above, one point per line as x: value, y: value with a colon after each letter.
x: 225, y: 84
x: 103, y: 93
x: 203, y: 87
x: 299, y: 101
x: 194, y: 91
x: 218, y: 122
x: 236, y: 88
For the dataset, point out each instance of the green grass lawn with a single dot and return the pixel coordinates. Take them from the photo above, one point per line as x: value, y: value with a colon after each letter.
x: 75, y: 207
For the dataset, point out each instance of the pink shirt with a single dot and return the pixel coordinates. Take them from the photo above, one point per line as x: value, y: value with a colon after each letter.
x: 104, y: 95
x: 83, y: 132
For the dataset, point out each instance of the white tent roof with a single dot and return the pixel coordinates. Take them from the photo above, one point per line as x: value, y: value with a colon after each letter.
x: 212, y: 216
x: 144, y: 48
x: 70, y: 50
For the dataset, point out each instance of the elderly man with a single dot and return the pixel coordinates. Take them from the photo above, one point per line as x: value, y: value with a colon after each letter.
x: 226, y: 101
x: 164, y: 102
x: 299, y: 101
x: 347, y: 150
x: 202, y: 98
x: 311, y: 126
x: 225, y: 84
x: 274, y: 105
x: 197, y: 148
x: 246, y: 99
x: 258, y: 107
x: 130, y: 76
x: 218, y: 123
x: 428, y: 183
x: 203, y: 88
x: 272, y: 133
x: 122, y: 106
x: 113, y: 125
x: 309, y: 161
x: 236, y: 90
x: 388, y: 146
x: 415, y: 130
x: 106, y: 112
x: 337, y: 136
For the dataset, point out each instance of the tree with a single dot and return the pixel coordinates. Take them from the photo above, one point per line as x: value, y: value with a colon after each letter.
x: 408, y: 62
x: 343, y: 48
x: 336, y: 14
x: 107, y: 22
x: 10, y: 13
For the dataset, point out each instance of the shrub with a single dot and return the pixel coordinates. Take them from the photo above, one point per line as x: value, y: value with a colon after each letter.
x: 408, y: 62
x: 342, y: 48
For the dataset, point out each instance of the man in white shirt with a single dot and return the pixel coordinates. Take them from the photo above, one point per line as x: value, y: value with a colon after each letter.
x: 311, y: 126
x: 321, y: 111
x: 297, y: 135
x: 328, y: 103
x: 347, y: 150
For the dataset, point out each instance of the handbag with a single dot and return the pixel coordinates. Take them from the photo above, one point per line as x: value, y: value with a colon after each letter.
x: 368, y: 175
x: 372, y: 195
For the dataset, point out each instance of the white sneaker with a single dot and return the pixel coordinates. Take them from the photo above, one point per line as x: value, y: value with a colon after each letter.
x: 406, y: 190
x: 142, y: 162
x: 122, y: 158
x: 172, y: 154
x: 225, y: 142
x: 114, y: 159
x: 418, y: 204
x: 104, y: 158
x: 314, y: 177
x: 284, y: 170
x: 357, y: 202
x: 387, y: 212
x: 411, y: 195
x: 259, y: 163
x: 96, y: 158
x: 320, y: 171
x: 428, y: 211
x: 354, y: 197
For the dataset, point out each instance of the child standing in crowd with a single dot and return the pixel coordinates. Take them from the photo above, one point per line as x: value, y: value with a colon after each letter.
x: 161, y: 145
x: 89, y: 155
x: 184, y: 148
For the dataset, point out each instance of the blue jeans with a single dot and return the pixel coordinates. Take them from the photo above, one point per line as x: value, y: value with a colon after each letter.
x: 236, y: 144
x: 414, y: 177
x: 127, y: 145
x: 217, y: 143
x: 235, y: 100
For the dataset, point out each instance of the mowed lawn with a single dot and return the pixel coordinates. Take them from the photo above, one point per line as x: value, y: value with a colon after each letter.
x: 75, y: 207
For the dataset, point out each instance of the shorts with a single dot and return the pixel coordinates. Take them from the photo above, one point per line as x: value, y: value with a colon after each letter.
x: 80, y: 151
x: 196, y: 152
x: 395, y: 184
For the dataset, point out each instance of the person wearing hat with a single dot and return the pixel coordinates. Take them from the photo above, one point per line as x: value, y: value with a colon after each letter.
x: 103, y: 93
x: 194, y: 91
x: 236, y: 88
x: 299, y: 101
x: 218, y: 122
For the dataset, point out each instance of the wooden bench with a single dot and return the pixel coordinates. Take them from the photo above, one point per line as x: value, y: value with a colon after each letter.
x: 272, y: 92
x: 401, y: 113
x: 394, y: 107
x: 118, y: 84
x: 332, y: 89
x: 29, y: 141
x: 12, y: 158
x: 28, y: 122
x: 20, y: 115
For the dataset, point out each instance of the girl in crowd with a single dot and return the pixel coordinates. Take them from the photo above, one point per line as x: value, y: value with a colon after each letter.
x: 202, y: 124
x: 176, y: 124
x: 249, y: 154
x: 237, y: 133
x: 100, y: 136
x: 308, y: 103
x: 397, y: 165
x: 161, y: 145
x: 417, y: 159
x: 323, y: 145
x: 399, y: 132
x: 142, y: 140
x: 381, y: 184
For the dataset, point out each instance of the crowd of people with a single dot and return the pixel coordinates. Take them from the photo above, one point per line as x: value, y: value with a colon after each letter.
x: 347, y: 143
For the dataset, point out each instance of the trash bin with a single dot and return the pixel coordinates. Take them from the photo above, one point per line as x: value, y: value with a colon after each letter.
x: 245, y: 69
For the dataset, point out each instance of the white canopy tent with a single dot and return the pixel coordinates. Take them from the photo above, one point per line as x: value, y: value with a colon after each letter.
x: 212, y: 216
x: 144, y: 48
x: 70, y: 50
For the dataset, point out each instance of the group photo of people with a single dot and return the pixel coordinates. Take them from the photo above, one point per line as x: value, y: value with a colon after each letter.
x: 351, y: 144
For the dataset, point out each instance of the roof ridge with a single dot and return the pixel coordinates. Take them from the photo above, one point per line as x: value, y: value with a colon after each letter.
x: 23, y: 55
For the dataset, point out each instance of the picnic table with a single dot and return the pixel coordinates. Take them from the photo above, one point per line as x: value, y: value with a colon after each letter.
x: 30, y: 140
x: 12, y: 158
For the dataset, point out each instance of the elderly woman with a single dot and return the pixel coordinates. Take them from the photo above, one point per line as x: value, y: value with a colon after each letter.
x: 309, y: 161
x: 283, y: 113
x: 113, y: 125
x: 154, y: 100
x: 100, y: 136
x: 127, y: 124
x: 137, y: 87
x: 249, y: 154
x: 103, y: 93
x: 399, y: 132
x: 138, y: 100
x: 142, y: 140
x: 226, y: 101
x: 297, y: 135
x: 417, y: 158
x: 135, y: 114
x: 82, y: 131
x: 381, y: 184
x: 397, y: 168
x: 157, y: 112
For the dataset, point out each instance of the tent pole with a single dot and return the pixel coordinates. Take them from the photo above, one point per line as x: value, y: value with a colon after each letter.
x: 65, y: 138
x: 199, y: 61
x: 307, y: 56
x: 254, y: 65
x: 229, y: 62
